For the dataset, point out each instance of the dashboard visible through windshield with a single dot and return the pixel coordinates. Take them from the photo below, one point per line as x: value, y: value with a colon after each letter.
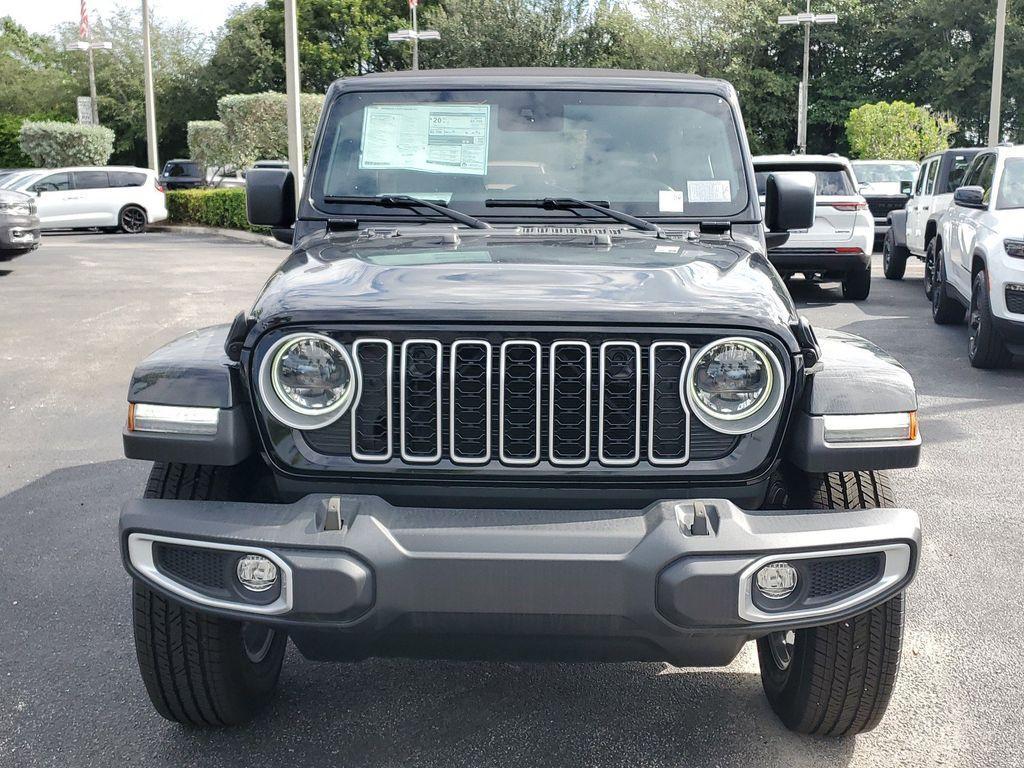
x: 667, y: 155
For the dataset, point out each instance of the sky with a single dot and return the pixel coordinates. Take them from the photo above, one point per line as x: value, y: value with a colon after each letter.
x: 43, y: 15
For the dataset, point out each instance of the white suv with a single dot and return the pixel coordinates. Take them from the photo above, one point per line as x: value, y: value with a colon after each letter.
x: 114, y: 197
x: 979, y: 257
x: 838, y: 246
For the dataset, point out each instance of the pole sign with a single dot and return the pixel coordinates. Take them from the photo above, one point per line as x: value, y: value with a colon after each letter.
x: 84, y: 110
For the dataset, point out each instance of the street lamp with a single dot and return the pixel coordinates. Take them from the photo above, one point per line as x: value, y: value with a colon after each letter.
x: 89, y: 46
x: 994, y: 119
x: 414, y: 35
x: 807, y: 19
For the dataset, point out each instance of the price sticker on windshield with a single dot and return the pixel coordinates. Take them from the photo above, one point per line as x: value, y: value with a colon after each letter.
x: 709, y: 191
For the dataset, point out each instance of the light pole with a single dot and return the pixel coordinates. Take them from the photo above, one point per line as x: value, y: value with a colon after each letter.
x: 807, y: 19
x: 994, y: 119
x: 291, y: 87
x: 405, y: 35
x: 147, y: 69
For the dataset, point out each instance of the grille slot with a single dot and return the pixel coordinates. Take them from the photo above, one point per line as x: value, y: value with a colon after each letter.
x: 569, y: 406
x: 420, y: 403
x: 469, y: 422
x: 668, y: 425
x: 371, y: 416
x: 618, y: 426
x: 519, y: 402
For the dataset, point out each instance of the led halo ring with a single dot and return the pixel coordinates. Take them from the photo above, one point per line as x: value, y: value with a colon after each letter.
x: 287, y: 411
x: 737, y: 424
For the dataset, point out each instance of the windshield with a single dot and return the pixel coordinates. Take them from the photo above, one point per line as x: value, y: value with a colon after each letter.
x: 1011, y: 184
x: 881, y: 173
x: 20, y: 180
x: 831, y: 181
x: 672, y: 155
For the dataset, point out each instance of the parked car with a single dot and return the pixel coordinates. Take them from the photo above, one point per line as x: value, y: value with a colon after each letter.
x: 19, y: 224
x: 6, y: 173
x: 182, y: 174
x: 978, y: 252
x: 912, y: 229
x: 522, y: 423
x: 885, y: 185
x: 114, y: 198
x: 839, y: 245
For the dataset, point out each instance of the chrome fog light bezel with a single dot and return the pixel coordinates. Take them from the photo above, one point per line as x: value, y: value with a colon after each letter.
x: 290, y: 413
x: 776, y: 580
x: 141, y: 557
x: 249, y: 568
x: 736, y: 424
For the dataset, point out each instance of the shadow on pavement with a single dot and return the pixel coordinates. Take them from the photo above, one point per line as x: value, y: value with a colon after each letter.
x: 74, y: 696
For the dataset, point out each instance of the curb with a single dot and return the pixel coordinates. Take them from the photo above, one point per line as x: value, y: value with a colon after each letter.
x: 234, y: 234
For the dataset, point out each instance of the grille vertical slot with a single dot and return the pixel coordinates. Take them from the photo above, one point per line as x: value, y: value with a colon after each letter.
x: 618, y: 425
x: 519, y: 409
x: 371, y: 415
x: 469, y: 418
x: 569, y: 373
x: 668, y: 422
x: 420, y: 400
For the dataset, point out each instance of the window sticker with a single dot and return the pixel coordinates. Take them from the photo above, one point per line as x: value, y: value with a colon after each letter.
x: 709, y: 191
x: 434, y: 138
x: 670, y: 201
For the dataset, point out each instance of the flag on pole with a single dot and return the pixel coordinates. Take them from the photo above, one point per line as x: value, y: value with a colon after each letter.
x: 83, y: 26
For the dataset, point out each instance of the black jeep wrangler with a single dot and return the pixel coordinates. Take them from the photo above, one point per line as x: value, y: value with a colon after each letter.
x: 527, y: 387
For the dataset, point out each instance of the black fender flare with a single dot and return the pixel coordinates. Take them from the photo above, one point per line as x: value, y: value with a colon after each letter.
x: 853, y: 377
x: 898, y: 227
x: 193, y: 371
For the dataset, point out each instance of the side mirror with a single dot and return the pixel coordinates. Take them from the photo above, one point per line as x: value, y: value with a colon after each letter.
x: 270, y: 197
x: 907, y: 188
x: 970, y: 197
x: 789, y: 201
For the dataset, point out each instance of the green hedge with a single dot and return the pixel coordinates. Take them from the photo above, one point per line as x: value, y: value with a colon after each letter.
x: 210, y: 208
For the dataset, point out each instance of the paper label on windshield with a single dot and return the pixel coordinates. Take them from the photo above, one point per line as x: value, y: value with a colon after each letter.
x: 435, y: 138
x: 710, y: 191
x: 670, y: 201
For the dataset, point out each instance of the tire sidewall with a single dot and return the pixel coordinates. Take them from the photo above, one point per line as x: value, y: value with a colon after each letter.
x: 131, y: 230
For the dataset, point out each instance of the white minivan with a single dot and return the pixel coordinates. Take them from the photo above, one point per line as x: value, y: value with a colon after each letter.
x: 113, y: 197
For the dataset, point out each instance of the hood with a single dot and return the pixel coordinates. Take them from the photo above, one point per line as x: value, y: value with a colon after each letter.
x: 496, y: 277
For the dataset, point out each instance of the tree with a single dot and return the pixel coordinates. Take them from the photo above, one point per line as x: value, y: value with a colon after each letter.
x: 896, y: 131
x: 32, y: 80
x: 54, y: 144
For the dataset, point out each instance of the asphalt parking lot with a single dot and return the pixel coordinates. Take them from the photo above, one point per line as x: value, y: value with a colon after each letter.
x: 79, y: 313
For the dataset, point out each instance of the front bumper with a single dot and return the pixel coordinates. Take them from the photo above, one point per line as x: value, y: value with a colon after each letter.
x: 672, y: 582
x: 19, y: 234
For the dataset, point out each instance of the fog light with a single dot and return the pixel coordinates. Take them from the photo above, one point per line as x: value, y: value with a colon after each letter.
x: 776, y: 580
x: 256, y: 573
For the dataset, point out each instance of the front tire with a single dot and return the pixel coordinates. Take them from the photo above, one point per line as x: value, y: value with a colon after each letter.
x: 200, y: 669
x: 985, y: 347
x: 837, y: 680
x: 132, y: 220
x: 857, y: 284
x: 929, y: 268
x: 945, y: 309
x: 894, y: 258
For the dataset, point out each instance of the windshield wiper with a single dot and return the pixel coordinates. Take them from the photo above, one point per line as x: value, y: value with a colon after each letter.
x: 405, y: 201
x: 571, y: 203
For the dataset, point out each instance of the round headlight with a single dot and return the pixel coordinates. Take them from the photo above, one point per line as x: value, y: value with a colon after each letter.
x: 308, y: 380
x: 734, y: 385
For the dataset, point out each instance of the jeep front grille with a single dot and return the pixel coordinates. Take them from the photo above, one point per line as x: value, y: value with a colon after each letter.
x: 520, y: 402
